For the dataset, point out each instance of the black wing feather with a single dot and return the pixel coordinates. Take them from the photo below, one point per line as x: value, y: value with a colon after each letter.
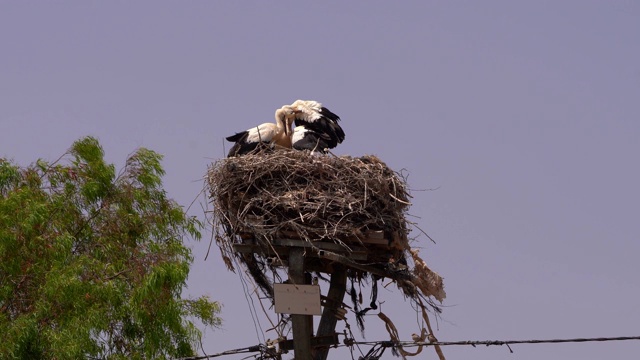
x: 241, y: 146
x: 326, y: 124
x: 314, y: 141
x: 241, y: 136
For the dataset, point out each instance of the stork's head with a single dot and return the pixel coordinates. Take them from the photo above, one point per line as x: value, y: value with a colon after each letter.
x: 287, y: 114
x: 311, y: 105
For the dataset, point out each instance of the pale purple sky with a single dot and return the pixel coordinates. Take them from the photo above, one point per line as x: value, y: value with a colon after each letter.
x: 524, y: 115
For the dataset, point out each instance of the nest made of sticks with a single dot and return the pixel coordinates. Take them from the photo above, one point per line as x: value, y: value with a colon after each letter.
x: 342, y: 200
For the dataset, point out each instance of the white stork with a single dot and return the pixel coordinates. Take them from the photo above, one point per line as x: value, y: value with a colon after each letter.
x: 270, y: 134
x: 316, y: 128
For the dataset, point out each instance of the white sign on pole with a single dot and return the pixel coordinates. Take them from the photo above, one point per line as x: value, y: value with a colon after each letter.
x: 297, y: 299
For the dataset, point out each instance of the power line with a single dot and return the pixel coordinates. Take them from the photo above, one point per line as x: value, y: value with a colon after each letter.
x: 250, y: 304
x: 493, y: 342
x: 507, y: 342
x: 255, y: 348
x: 391, y: 344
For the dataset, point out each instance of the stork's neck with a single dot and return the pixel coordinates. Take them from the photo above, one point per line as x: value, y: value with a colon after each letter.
x: 281, y: 122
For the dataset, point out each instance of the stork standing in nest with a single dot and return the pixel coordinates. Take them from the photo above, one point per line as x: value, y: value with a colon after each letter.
x: 267, y: 134
x: 317, y: 128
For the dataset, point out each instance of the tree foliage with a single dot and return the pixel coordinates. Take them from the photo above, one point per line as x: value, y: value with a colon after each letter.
x: 92, y: 263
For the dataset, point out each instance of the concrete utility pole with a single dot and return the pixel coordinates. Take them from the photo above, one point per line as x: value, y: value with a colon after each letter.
x: 302, y: 324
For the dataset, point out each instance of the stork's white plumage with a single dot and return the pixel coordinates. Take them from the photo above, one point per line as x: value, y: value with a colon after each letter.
x: 319, y: 127
x: 278, y: 134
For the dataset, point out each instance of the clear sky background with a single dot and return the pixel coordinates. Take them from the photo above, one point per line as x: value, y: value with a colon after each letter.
x: 523, y: 115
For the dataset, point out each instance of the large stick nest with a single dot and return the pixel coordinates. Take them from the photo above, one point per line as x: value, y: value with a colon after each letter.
x: 319, y: 199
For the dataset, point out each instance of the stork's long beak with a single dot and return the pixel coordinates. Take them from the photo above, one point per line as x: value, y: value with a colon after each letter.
x: 287, y: 125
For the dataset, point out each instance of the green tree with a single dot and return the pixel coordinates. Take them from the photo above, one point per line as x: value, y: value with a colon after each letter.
x: 92, y: 263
